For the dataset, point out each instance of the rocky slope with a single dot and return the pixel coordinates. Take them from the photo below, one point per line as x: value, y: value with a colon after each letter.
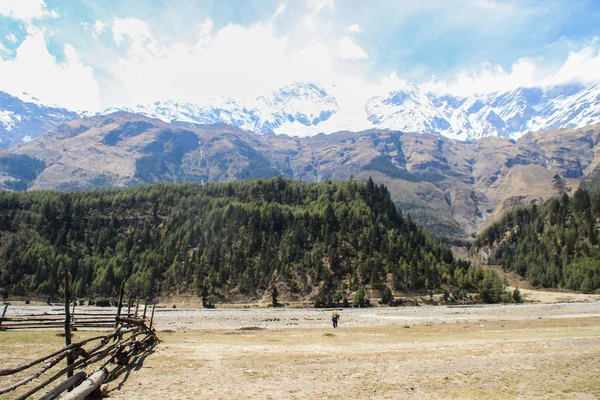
x: 452, y: 187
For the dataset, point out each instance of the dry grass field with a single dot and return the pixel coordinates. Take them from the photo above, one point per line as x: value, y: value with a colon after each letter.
x: 520, y: 351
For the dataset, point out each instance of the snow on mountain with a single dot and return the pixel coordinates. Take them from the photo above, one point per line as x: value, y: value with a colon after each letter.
x: 22, y: 120
x: 306, y: 109
x: 503, y: 114
x: 408, y: 110
x: 294, y: 110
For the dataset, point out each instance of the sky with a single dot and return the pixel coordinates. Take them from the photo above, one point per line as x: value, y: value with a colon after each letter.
x: 94, y: 54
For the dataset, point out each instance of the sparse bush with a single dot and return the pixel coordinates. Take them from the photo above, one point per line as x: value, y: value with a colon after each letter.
x: 345, y: 302
x: 387, y: 297
x: 446, y: 296
x: 103, y: 303
x: 516, y: 296
x: 361, y: 299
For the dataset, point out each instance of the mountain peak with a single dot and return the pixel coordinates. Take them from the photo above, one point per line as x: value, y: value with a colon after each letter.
x: 306, y: 108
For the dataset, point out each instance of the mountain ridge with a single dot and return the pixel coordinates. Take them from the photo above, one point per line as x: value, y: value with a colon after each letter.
x: 451, y: 187
x: 306, y: 109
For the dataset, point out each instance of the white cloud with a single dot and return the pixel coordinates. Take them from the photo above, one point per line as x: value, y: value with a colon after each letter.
x: 488, y: 79
x: 35, y: 71
x: 137, y: 33
x: 349, y: 50
x: 237, y: 61
x: 11, y: 38
x: 97, y: 28
x: 581, y: 66
x: 234, y: 61
x: 319, y: 5
x: 205, y: 32
x: 26, y: 10
x: 354, y: 28
x: 244, y: 62
x: 277, y: 13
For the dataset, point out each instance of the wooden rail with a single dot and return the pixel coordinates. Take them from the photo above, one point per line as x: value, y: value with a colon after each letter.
x: 129, y: 336
x: 132, y: 336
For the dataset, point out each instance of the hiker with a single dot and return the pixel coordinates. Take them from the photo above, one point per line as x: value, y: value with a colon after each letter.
x: 334, y: 318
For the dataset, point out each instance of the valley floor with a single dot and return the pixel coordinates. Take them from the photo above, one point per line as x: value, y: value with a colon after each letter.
x: 515, y: 351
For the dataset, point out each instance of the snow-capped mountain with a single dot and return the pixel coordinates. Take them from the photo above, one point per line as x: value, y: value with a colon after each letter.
x: 503, y: 114
x: 306, y: 109
x: 290, y: 110
x: 21, y: 121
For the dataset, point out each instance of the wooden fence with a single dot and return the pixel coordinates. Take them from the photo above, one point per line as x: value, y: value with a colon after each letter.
x: 130, y: 337
x: 55, y: 318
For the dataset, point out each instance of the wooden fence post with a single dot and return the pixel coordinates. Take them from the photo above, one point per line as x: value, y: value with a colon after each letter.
x: 120, y: 305
x: 137, y: 305
x: 129, y: 307
x: 3, y: 314
x: 145, y: 308
x: 152, y: 316
x: 68, y: 323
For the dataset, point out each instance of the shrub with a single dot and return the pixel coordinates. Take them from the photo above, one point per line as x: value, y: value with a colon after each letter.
x: 491, y: 287
x: 345, y: 302
x: 103, y: 303
x: 516, y: 296
x: 361, y: 299
x: 387, y: 297
x: 446, y: 296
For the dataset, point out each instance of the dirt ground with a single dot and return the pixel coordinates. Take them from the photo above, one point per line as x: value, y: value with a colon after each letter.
x: 545, y: 350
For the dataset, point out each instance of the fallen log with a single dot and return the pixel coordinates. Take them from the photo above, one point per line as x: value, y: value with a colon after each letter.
x: 58, y: 390
x: 88, y: 386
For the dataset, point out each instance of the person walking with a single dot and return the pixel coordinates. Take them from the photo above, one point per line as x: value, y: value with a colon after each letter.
x: 334, y: 318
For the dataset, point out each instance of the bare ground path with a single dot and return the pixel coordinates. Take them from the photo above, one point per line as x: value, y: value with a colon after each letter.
x: 434, y: 352
x: 533, y: 358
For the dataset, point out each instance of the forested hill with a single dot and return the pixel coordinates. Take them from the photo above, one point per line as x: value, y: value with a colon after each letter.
x: 553, y: 245
x: 224, y: 239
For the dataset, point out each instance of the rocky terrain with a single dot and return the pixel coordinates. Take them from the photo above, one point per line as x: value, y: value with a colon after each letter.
x: 452, y: 187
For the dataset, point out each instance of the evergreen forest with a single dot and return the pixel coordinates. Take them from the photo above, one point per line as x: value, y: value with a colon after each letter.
x: 224, y: 239
x: 552, y: 245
